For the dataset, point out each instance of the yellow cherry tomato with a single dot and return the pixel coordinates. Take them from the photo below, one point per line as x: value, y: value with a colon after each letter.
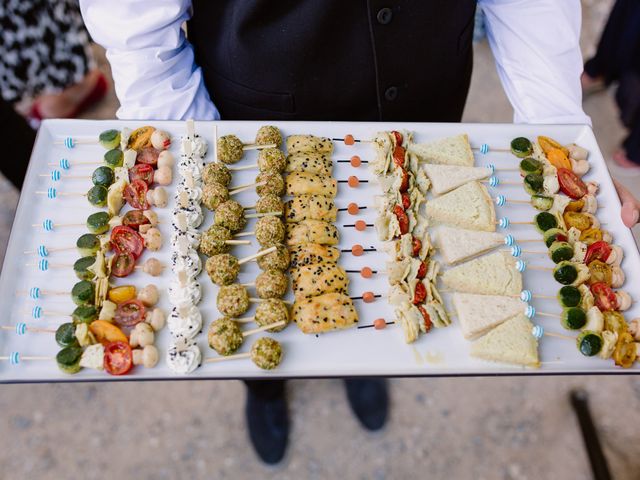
x: 591, y: 235
x: 558, y: 158
x: 599, y: 272
x: 577, y: 220
x: 625, y: 353
x: 614, y: 322
x: 575, y: 206
x: 122, y: 294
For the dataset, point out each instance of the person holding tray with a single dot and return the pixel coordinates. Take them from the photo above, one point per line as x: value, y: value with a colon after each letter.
x: 333, y: 60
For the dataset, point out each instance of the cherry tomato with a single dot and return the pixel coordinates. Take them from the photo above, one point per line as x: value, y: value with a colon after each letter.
x: 118, y: 358
x: 126, y: 239
x: 141, y: 171
x: 398, y: 156
x: 398, y: 136
x: 597, y: 251
x: 403, y: 219
x: 148, y: 156
x: 134, y: 218
x: 416, y: 244
x: 427, y: 319
x: 420, y: 295
x: 570, y: 184
x: 404, y: 185
x: 406, y: 201
x: 422, y: 271
x: 130, y: 313
x: 123, y: 264
x: 558, y: 158
x: 136, y: 195
x: 605, y: 298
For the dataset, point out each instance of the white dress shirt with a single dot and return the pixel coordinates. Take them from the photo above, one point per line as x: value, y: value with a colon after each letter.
x: 535, y: 44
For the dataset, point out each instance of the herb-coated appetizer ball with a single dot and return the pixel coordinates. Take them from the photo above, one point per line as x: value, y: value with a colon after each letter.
x: 276, y: 260
x: 272, y: 311
x: 268, y: 135
x: 272, y: 284
x: 233, y: 300
x: 230, y: 149
x: 213, y: 194
x: 230, y: 214
x: 212, y: 241
x: 223, y: 268
x: 269, y: 203
x: 274, y: 185
x: 266, y: 353
x: 272, y: 160
x: 216, y: 172
x: 225, y: 336
x: 269, y: 230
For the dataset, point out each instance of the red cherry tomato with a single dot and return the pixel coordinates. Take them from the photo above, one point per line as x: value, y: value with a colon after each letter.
x: 427, y: 319
x: 403, y: 219
x: 130, y: 313
x: 148, y: 156
x: 422, y: 271
x: 141, y: 171
x: 599, y: 250
x: 398, y: 156
x: 118, y: 358
x: 604, y: 297
x: 398, y: 137
x: 136, y: 195
x: 123, y: 264
x: 135, y: 218
x: 126, y: 239
x: 404, y: 185
x: 420, y: 294
x: 406, y: 201
x: 570, y: 184
x: 416, y: 243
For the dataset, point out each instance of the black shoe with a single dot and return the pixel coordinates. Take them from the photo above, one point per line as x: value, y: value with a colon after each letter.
x: 268, y: 423
x: 369, y: 400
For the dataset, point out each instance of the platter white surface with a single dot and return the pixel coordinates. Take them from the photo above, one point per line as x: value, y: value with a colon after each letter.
x: 354, y: 352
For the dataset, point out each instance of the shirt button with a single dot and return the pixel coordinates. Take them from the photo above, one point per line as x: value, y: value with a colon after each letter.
x: 391, y: 94
x: 384, y: 16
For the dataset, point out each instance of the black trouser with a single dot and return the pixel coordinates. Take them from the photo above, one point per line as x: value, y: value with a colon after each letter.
x: 20, y: 138
x: 618, y: 60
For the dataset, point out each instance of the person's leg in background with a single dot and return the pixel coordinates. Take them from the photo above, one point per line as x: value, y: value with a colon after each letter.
x: 17, y: 151
x: 267, y: 418
x: 628, y: 99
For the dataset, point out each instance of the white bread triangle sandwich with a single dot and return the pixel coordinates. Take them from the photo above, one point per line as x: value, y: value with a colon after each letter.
x: 454, y: 150
x: 468, y: 206
x: 445, y: 178
x: 478, y: 314
x: 511, y: 342
x: 457, y: 245
x: 494, y: 274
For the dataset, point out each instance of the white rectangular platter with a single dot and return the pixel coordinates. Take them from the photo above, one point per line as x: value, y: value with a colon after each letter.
x: 355, y: 352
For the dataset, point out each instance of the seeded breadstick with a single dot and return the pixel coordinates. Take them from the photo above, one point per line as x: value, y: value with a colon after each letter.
x: 318, y: 279
x: 310, y: 207
x: 310, y: 163
x: 324, y: 313
x: 308, y: 144
x: 312, y: 231
x: 302, y: 183
x: 310, y: 253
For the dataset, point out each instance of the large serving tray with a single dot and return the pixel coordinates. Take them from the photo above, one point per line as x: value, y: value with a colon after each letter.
x: 356, y: 352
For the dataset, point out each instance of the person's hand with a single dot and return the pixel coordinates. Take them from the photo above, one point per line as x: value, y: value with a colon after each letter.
x: 630, y: 205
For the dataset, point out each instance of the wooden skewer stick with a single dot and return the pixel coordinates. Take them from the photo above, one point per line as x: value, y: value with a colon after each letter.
x: 485, y: 146
x: 250, y: 284
x: 559, y: 335
x: 245, y: 234
x: 74, y: 162
x: 246, y: 333
x: 66, y: 194
x: 245, y: 319
x: 550, y: 315
x: 244, y: 167
x: 502, y: 182
x: 56, y: 249
x: 237, y: 356
x: 29, y: 329
x: 255, y: 146
x: 257, y: 255
x: 247, y: 186
x: 238, y: 242
x: 31, y: 357
x: 260, y: 300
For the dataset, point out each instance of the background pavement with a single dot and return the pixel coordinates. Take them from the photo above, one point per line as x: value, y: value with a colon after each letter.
x: 467, y: 428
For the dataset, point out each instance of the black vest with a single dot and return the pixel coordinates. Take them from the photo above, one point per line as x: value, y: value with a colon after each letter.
x: 407, y: 60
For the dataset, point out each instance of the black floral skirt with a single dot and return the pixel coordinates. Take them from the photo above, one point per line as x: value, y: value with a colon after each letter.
x: 44, y: 47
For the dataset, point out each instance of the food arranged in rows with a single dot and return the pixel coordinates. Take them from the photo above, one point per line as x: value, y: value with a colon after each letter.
x: 114, y: 327
x: 588, y: 264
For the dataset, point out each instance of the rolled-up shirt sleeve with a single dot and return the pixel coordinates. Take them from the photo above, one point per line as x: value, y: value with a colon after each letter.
x: 152, y: 62
x: 536, y: 48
